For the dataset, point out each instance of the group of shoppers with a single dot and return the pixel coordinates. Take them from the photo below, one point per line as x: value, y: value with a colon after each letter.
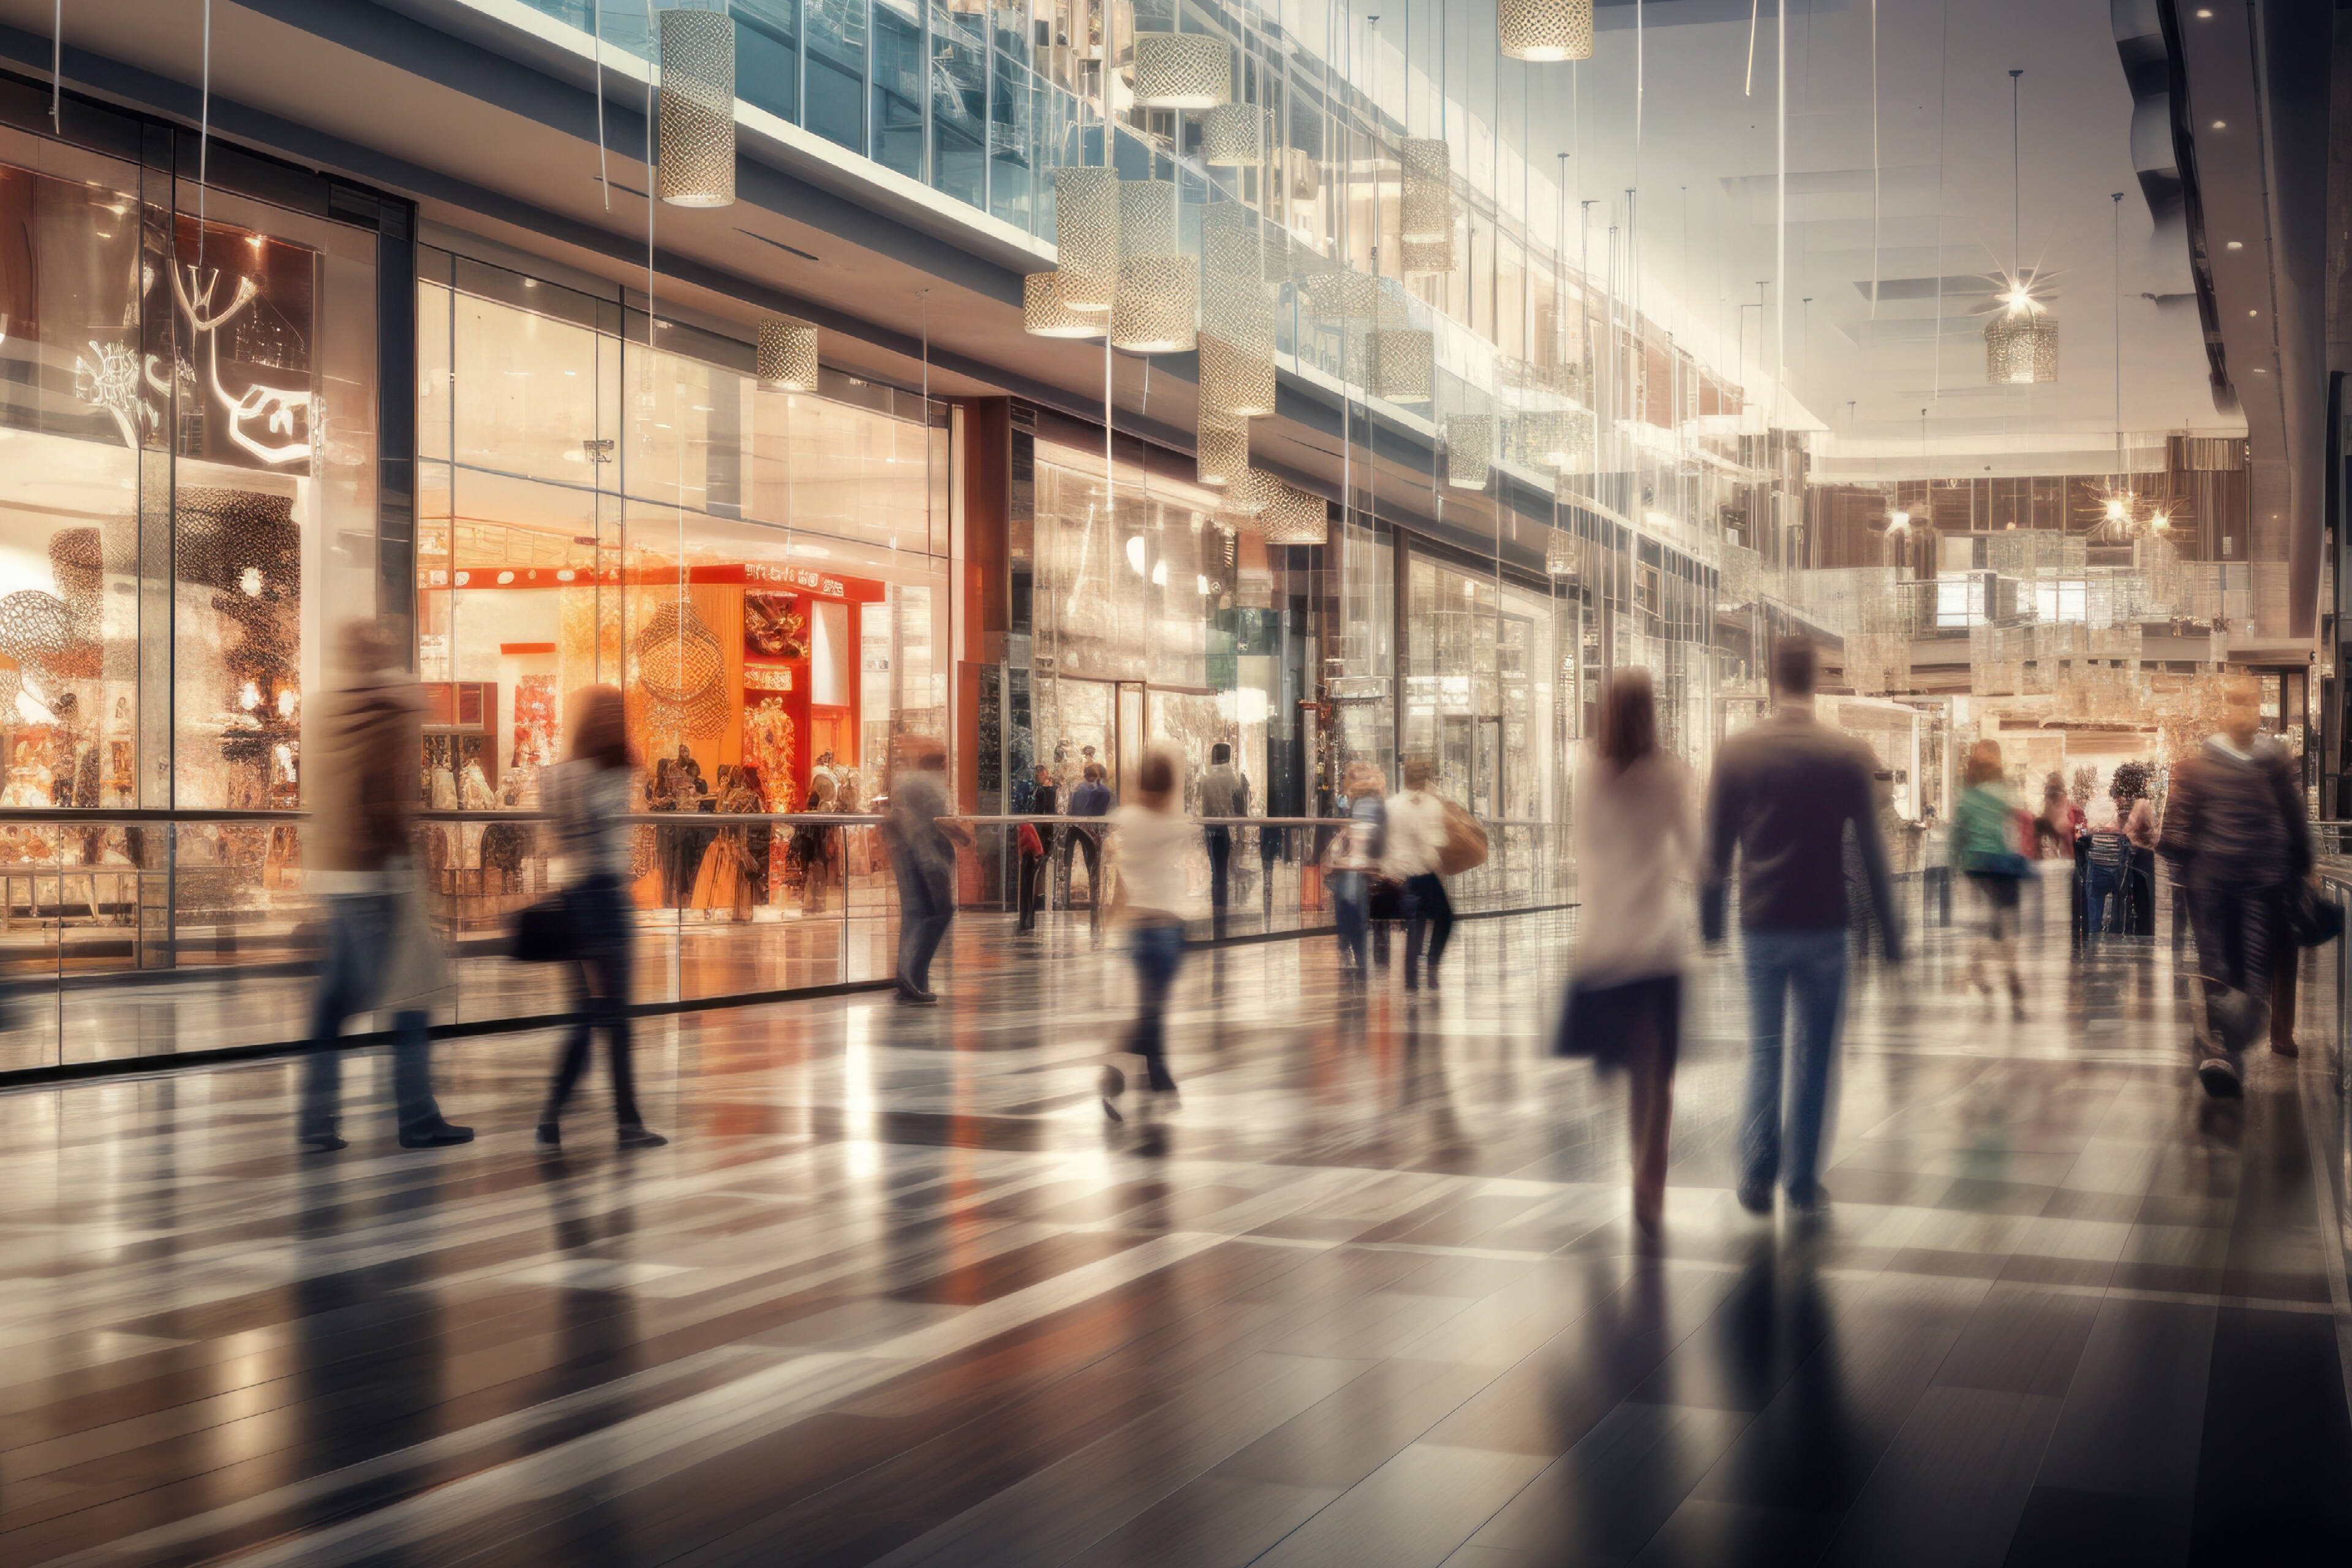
x: 380, y: 953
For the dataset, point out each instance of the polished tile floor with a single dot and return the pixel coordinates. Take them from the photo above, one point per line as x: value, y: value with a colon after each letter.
x: 897, y: 1292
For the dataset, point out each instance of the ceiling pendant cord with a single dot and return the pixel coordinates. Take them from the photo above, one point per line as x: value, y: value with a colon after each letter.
x: 2116, y: 201
x: 2016, y: 190
x: 596, y: 36
x: 57, y: 67
x: 1874, y: 163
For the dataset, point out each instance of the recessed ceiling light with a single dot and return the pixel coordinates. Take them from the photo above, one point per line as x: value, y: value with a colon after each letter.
x: 2203, y: 14
x: 2220, y: 125
x: 2259, y: 370
x: 2237, y: 244
x: 2253, y: 312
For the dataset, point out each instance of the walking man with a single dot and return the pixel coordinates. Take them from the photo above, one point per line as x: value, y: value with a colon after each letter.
x: 1785, y: 794
x: 922, y: 856
x: 1224, y: 793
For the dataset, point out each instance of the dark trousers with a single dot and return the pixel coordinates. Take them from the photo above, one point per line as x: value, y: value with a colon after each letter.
x: 1031, y: 889
x: 1351, y: 912
x: 359, y: 941
x: 2237, y: 936
x: 1158, y: 950
x: 1429, y: 911
x: 2104, y: 898
x: 1808, y: 968
x: 925, y: 904
x: 1220, y: 842
x: 601, y: 983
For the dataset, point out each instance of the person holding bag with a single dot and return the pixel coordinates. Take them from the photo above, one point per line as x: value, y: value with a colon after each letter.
x: 1414, y: 854
x: 590, y: 795
x: 1636, y: 842
x: 1984, y: 847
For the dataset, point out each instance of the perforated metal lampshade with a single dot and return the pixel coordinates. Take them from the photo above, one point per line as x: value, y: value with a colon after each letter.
x: 1223, y: 453
x: 1147, y: 217
x: 786, y: 357
x: 1404, y: 365
x: 1427, y: 209
x: 1234, y: 134
x: 2021, y: 346
x: 698, y: 108
x: 1183, y: 70
x: 1250, y: 492
x: 1427, y: 255
x: 1545, y: 29
x: 1158, y: 307
x: 1295, y: 517
x: 1469, y: 450
x: 1046, y: 313
x: 1085, y: 236
x: 1235, y: 384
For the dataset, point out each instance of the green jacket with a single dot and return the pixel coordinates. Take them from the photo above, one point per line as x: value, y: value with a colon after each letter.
x: 1983, y: 824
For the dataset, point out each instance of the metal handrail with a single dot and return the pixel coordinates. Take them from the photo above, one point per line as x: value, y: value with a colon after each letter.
x: 100, y: 816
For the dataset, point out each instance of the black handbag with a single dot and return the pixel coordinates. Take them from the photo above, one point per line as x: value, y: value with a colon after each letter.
x: 544, y: 934
x: 2312, y: 920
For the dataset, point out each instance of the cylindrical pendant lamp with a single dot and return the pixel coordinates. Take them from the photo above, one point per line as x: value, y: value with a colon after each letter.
x: 1427, y: 255
x: 1157, y: 305
x: 1183, y: 70
x: 1223, y: 453
x: 1085, y: 236
x: 2021, y: 346
x: 1045, y: 312
x: 1234, y: 134
x: 1251, y: 491
x: 785, y: 360
x: 1469, y: 450
x: 1234, y: 382
x: 1295, y: 517
x: 1404, y: 365
x: 1545, y: 29
x: 1147, y: 217
x: 698, y: 108
x: 1427, y: 208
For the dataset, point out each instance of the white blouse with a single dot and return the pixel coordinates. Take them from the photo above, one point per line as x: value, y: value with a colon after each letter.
x: 1636, y: 840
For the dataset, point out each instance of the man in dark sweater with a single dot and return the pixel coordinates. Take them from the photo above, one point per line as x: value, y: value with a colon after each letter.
x: 2235, y: 832
x: 1784, y: 796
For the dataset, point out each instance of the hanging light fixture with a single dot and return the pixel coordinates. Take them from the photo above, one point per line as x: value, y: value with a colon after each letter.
x: 1545, y: 29
x: 1085, y: 236
x: 785, y: 360
x: 1469, y: 450
x: 1427, y: 255
x: 1427, y: 203
x: 2021, y: 337
x: 1234, y: 382
x: 1295, y: 517
x: 698, y: 108
x: 1222, y: 452
x: 1249, y: 492
x: 1157, y: 306
x: 1147, y: 217
x: 1046, y: 312
x: 1234, y: 135
x: 1183, y: 70
x: 1404, y: 365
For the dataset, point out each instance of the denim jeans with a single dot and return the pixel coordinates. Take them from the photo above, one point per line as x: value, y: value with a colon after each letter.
x: 600, y: 983
x: 1350, y: 910
x: 2104, y: 894
x: 359, y: 943
x: 1809, y: 966
x: 1430, y: 913
x: 1157, y: 949
x: 925, y: 904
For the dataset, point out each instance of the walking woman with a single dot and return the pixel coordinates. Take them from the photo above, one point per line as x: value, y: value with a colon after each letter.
x: 1984, y: 846
x: 1353, y: 858
x: 1636, y: 842
x: 1150, y: 838
x: 590, y: 795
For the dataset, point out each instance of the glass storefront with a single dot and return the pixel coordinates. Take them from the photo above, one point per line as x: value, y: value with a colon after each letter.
x: 759, y: 571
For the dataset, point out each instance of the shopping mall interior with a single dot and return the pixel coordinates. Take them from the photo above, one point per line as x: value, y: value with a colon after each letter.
x: 1175, y: 505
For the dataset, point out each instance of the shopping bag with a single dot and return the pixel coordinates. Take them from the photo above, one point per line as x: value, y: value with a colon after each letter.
x: 544, y: 934
x: 1465, y: 842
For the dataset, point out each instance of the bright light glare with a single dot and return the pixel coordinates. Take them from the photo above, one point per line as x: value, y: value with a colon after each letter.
x: 1896, y: 521
x: 2160, y: 521
x: 1134, y: 552
x: 2115, y: 511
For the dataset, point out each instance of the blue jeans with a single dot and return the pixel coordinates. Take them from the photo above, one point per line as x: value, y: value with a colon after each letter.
x: 2103, y: 891
x: 1809, y: 966
x: 359, y: 941
x: 925, y: 904
x: 1351, y: 895
x: 1158, y: 950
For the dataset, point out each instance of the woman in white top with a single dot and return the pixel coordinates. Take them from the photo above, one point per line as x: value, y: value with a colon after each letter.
x: 1150, y: 840
x: 1413, y: 849
x: 1636, y: 840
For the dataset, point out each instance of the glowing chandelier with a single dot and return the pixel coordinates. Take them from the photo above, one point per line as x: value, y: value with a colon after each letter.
x: 2021, y: 337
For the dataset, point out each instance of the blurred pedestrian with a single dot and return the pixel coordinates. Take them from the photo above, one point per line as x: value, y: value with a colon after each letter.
x: 1224, y: 793
x: 2107, y: 869
x: 1412, y: 853
x: 365, y: 748
x: 1785, y: 794
x: 816, y: 845
x: 1984, y: 846
x: 922, y: 856
x: 1354, y: 858
x: 1150, y: 838
x: 2139, y: 827
x: 2235, y: 831
x: 1030, y: 891
x: 588, y: 794
x: 1090, y: 801
x: 1636, y: 842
